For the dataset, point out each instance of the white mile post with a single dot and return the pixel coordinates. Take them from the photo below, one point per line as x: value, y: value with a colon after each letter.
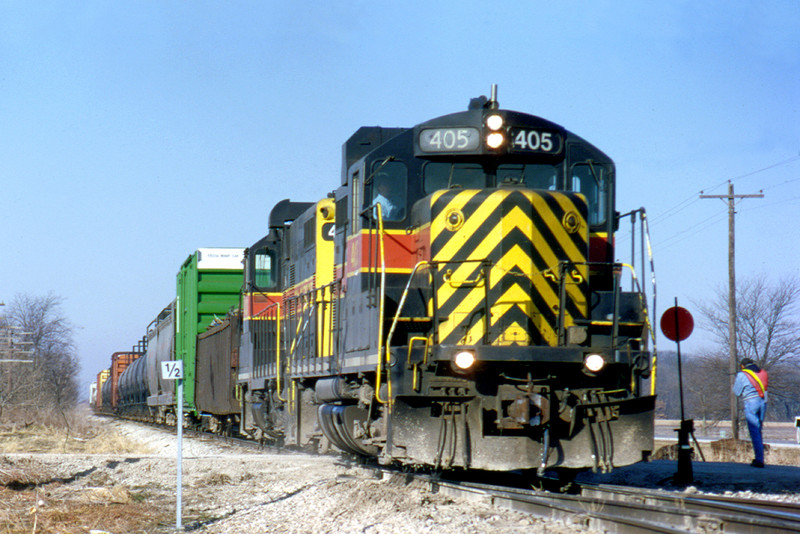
x: 173, y: 370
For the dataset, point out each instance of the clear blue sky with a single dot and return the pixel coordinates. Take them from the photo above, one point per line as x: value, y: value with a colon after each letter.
x: 132, y: 133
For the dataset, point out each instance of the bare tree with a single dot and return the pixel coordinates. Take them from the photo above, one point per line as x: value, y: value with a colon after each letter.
x: 767, y: 322
x: 706, y: 383
x: 768, y: 332
x: 51, y: 380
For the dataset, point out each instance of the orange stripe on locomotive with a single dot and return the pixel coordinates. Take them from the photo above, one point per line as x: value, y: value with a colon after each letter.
x: 399, y: 248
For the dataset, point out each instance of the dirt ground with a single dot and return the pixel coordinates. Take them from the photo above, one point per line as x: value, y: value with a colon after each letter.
x: 51, y: 483
x: 109, y: 476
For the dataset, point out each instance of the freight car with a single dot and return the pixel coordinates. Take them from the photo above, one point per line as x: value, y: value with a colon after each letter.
x: 455, y: 302
x: 96, y: 395
x: 208, y: 285
x: 109, y: 389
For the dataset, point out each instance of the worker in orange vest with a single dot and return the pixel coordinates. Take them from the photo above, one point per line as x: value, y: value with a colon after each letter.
x: 751, y: 386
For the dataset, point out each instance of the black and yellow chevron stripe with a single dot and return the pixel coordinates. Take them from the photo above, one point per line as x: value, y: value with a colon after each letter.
x: 502, y: 249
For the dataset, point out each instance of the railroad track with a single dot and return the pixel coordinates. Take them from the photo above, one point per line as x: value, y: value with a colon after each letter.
x: 618, y: 509
x: 601, y: 507
x: 713, y: 513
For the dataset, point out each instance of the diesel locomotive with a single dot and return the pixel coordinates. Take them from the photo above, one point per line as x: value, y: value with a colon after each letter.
x: 454, y: 303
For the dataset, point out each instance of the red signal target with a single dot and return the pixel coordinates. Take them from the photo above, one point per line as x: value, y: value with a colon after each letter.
x: 677, y: 323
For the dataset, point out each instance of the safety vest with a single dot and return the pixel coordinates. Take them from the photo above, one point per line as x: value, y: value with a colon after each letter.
x: 759, y: 380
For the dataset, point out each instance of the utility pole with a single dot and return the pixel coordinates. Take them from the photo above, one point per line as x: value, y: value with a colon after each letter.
x: 12, y: 346
x: 733, y: 366
x: 13, y: 342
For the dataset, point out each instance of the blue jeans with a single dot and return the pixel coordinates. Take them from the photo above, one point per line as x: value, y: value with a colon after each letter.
x: 754, y: 411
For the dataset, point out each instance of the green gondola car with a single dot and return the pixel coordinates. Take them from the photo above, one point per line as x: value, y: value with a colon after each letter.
x: 208, y: 285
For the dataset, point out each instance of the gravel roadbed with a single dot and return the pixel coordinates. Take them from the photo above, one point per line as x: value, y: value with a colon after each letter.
x: 230, y: 489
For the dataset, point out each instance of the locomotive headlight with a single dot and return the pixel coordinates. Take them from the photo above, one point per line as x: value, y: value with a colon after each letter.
x: 464, y: 359
x: 594, y: 362
x: 494, y: 122
x: 495, y: 140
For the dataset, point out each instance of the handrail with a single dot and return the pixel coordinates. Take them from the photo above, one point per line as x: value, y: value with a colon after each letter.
x: 300, y: 326
x: 278, y: 351
x: 647, y: 321
x: 266, y: 309
x: 646, y: 232
x: 391, y: 334
x: 309, y: 307
x: 272, y: 312
x: 379, y: 369
x: 646, y: 243
x: 639, y: 292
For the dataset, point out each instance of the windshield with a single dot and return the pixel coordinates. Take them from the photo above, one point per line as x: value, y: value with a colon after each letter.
x: 441, y: 175
x: 589, y: 179
x: 533, y: 175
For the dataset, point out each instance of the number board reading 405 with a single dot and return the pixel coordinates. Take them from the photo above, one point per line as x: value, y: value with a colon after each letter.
x: 523, y: 140
x: 449, y: 140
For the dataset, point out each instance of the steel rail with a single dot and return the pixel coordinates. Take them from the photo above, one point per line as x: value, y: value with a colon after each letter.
x: 636, y: 510
x: 733, y: 514
x: 572, y: 510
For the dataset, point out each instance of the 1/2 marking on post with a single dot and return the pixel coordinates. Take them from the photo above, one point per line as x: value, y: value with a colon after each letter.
x: 172, y: 370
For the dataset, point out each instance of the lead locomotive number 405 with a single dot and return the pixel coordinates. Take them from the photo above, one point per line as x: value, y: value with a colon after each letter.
x: 455, y: 302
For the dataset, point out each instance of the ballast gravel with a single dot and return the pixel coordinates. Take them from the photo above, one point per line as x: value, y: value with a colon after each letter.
x: 228, y: 489
x: 231, y: 489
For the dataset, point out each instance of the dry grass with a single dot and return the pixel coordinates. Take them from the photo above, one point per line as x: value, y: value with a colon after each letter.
x: 42, y: 438
x: 35, y: 499
x: 73, y: 433
x: 37, y: 511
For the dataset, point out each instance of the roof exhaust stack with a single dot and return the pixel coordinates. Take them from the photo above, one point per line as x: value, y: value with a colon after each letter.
x: 492, y: 104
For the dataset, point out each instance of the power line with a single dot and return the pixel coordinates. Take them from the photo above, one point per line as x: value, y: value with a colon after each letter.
x: 682, y: 205
x: 782, y: 183
x: 771, y: 204
x: 694, y: 229
x: 757, y: 171
x: 689, y: 201
x: 768, y: 167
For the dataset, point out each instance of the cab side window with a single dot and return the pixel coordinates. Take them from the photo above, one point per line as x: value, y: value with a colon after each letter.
x: 263, y: 270
x: 388, y: 187
x: 591, y: 181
